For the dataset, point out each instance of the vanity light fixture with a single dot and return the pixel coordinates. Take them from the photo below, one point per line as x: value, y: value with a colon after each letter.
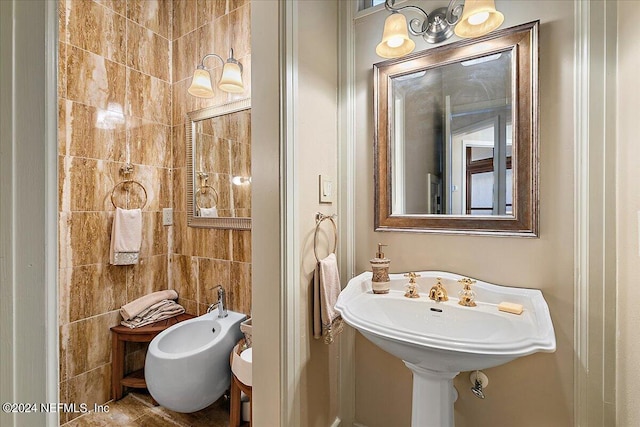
x: 231, y: 80
x: 471, y: 18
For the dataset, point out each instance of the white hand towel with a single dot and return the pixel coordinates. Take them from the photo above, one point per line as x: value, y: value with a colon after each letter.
x: 327, y: 322
x: 209, y: 212
x: 126, y: 236
x: 139, y: 305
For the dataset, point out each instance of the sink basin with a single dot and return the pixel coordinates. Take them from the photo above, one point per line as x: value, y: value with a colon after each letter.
x: 438, y: 340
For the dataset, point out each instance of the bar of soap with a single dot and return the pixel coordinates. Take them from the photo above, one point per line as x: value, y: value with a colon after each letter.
x: 510, y: 307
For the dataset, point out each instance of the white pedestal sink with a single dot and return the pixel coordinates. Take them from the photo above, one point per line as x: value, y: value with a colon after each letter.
x: 439, y: 340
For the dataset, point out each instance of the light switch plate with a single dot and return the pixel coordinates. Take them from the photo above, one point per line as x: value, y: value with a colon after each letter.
x: 326, y: 189
x: 167, y: 216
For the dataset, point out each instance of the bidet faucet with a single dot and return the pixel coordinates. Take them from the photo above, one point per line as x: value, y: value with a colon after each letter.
x: 221, y: 304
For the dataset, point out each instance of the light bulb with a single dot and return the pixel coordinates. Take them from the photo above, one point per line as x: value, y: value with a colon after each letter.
x: 478, y: 18
x: 395, y: 41
x: 241, y: 180
x: 395, y: 37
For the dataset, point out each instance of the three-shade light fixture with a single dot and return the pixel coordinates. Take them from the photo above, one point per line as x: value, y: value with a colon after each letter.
x: 473, y: 18
x: 231, y: 80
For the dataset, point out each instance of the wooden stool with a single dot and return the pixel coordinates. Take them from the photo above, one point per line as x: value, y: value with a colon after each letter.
x: 236, y: 405
x: 121, y: 334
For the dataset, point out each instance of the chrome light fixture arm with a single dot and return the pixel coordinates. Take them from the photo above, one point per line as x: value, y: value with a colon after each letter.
x: 454, y: 11
x: 436, y: 26
x: 230, y: 59
x: 207, y: 56
x: 389, y: 5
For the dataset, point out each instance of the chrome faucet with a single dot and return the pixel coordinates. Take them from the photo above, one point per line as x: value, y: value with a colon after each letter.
x: 221, y: 304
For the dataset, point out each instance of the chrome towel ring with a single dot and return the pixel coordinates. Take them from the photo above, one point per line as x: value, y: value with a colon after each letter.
x: 125, y: 184
x: 203, y: 190
x: 319, y: 218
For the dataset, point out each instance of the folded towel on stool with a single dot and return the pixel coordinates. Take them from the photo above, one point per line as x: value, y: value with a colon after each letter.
x: 327, y: 322
x: 126, y: 237
x: 137, y: 306
x: 159, y: 311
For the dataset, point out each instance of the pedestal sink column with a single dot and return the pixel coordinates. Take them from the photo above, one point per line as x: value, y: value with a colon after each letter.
x: 433, y: 397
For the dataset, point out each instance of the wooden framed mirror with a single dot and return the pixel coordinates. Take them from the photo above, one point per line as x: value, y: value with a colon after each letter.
x: 218, y: 141
x: 456, y: 137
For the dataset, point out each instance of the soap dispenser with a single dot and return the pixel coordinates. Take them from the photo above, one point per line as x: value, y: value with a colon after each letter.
x: 380, y: 267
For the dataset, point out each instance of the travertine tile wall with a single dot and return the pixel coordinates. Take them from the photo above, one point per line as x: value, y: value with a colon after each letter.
x: 204, y: 258
x: 124, y: 68
x: 114, y: 90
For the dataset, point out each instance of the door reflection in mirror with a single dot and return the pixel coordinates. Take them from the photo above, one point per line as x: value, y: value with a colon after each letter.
x: 452, y: 138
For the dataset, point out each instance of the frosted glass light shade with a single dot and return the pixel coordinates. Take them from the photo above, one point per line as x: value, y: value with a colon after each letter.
x: 201, y: 84
x: 231, y: 80
x: 395, y: 38
x: 479, y: 17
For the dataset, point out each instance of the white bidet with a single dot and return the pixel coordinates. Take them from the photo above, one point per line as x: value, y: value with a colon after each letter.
x: 187, y: 365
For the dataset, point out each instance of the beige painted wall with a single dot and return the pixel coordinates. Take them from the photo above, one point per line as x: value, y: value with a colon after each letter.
x: 628, y: 390
x: 266, y: 232
x: 521, y: 388
x: 315, y: 142
x: 312, y: 116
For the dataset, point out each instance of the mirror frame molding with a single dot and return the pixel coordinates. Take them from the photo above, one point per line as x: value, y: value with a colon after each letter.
x: 522, y: 41
x: 198, y: 115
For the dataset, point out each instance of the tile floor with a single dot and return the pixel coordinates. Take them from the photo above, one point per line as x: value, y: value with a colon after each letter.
x: 136, y: 410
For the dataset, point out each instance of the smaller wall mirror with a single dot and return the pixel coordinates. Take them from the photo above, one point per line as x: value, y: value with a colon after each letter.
x: 218, y: 141
x: 456, y: 141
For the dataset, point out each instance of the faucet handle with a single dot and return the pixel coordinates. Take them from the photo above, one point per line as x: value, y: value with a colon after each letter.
x: 412, y: 286
x: 467, y: 296
x: 466, y: 283
x: 412, y: 276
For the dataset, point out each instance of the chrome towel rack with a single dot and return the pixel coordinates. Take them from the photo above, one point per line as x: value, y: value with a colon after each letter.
x: 320, y: 217
x: 127, y: 170
x: 204, y: 187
